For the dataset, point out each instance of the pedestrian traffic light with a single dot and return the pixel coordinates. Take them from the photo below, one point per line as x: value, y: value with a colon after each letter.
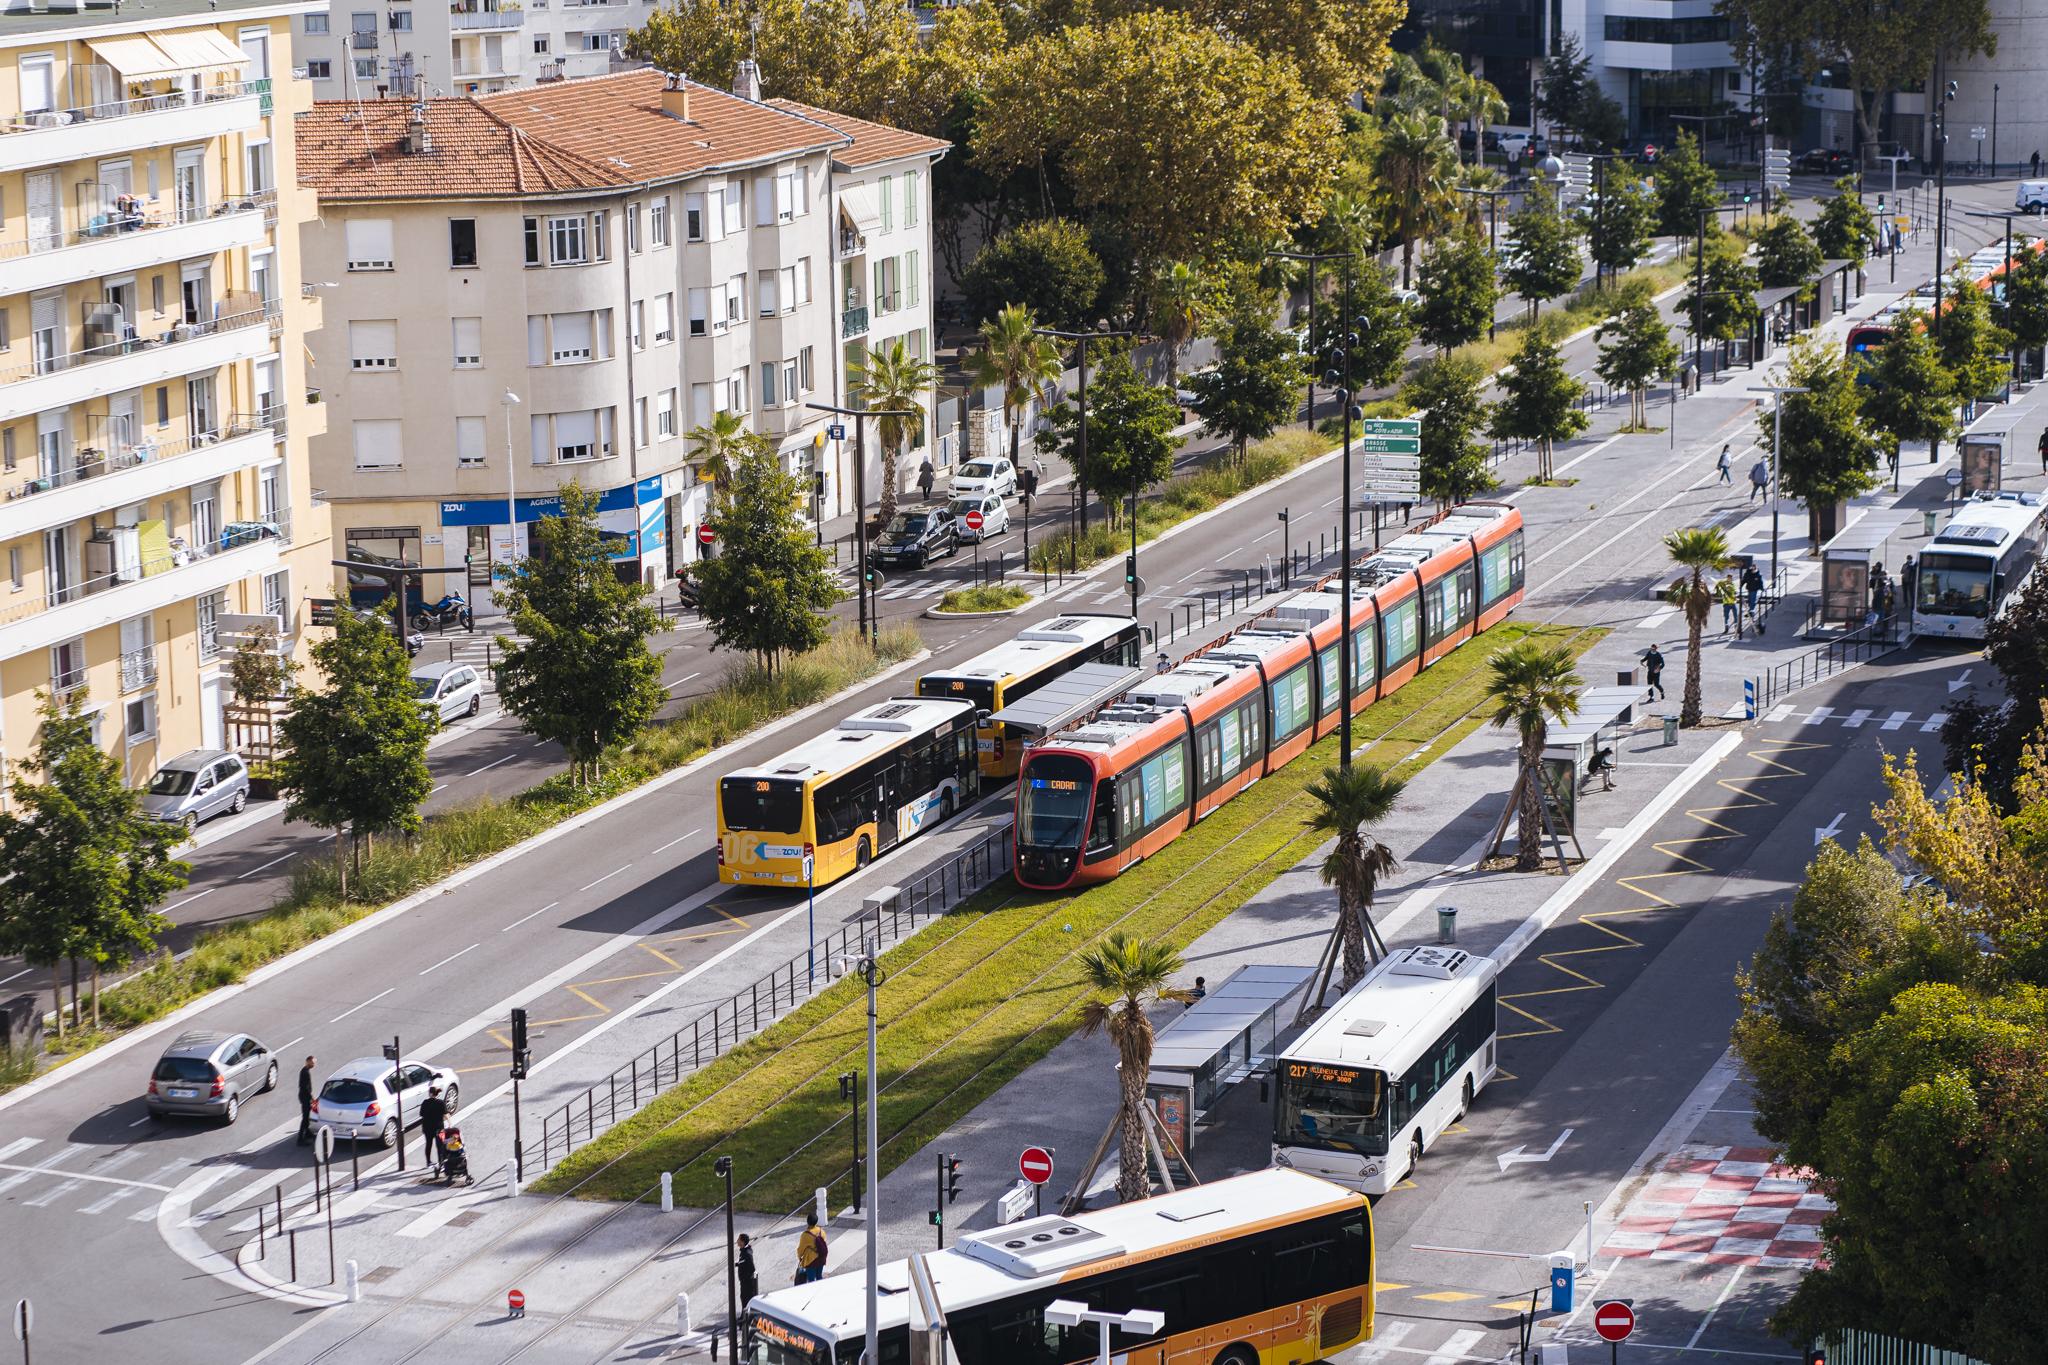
x: 937, y: 1219
x: 953, y: 1182
x: 1951, y: 90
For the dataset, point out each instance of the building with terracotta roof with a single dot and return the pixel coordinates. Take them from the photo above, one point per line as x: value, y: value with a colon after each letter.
x: 558, y: 283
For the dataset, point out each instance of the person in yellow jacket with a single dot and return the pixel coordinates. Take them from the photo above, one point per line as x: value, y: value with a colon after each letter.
x: 811, y: 1251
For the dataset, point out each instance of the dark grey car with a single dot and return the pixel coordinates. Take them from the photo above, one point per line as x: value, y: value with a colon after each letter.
x: 210, y: 1075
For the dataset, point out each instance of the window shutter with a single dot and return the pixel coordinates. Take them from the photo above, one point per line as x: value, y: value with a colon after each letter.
x: 469, y: 440
x: 469, y: 341
x: 543, y: 442
x: 536, y: 339
x: 373, y: 345
x: 369, y: 243
x: 377, y: 443
x: 910, y: 284
x: 764, y: 200
x: 888, y: 201
x: 765, y: 288
x: 697, y: 314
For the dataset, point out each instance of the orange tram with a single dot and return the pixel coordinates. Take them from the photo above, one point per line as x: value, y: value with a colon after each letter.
x: 1115, y: 788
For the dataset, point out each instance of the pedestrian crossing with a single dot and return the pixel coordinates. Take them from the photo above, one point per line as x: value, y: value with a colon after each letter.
x: 81, y: 1177
x: 1858, y: 718
x: 1425, y: 1341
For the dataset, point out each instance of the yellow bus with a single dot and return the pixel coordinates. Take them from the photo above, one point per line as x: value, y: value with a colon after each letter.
x: 1019, y: 667
x: 1272, y: 1266
x: 873, y: 780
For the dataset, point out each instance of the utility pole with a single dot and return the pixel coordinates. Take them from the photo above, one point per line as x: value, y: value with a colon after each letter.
x: 1944, y: 92
x: 1101, y: 332
x: 1777, y: 454
x: 870, y: 970
x: 870, y: 628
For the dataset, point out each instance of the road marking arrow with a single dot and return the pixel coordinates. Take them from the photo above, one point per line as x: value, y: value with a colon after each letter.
x: 1958, y: 683
x: 1829, y: 830
x: 1508, y: 1159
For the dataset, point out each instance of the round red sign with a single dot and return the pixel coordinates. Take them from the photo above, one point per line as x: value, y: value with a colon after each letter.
x: 1613, y: 1320
x: 1035, y: 1165
x: 974, y: 521
x: 706, y: 536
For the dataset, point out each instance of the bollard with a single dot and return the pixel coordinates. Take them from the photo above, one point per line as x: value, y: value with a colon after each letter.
x: 1447, y: 924
x: 292, y: 1238
x: 668, y: 1192
x: 824, y: 1208
x: 682, y: 1315
x: 355, y: 1164
x: 355, y: 1284
x: 512, y: 1179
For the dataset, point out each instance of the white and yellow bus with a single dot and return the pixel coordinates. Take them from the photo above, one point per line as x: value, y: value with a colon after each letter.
x: 873, y: 780
x: 1020, y: 666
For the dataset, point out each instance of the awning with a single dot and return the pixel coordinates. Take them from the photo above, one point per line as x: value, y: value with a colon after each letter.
x: 135, y: 56
x: 1066, y: 698
x: 858, y: 201
x: 200, y: 49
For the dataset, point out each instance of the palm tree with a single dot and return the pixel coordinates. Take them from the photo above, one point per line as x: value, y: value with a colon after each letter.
x: 1533, y: 683
x: 1127, y: 974
x: 894, y: 378
x: 1015, y: 359
x: 1698, y: 549
x: 1348, y: 800
x: 1417, y: 165
x: 718, y: 445
x: 1179, y: 303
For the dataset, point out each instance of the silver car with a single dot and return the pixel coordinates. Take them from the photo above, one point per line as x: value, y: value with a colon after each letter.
x: 209, y: 1075
x: 197, y: 786
x: 448, y: 690
x: 361, y: 1100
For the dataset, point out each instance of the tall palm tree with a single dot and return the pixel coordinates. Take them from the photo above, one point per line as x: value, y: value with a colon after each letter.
x: 1015, y: 359
x: 1178, y: 305
x: 718, y: 445
x: 1348, y: 801
x: 1477, y: 103
x: 1417, y: 165
x: 1533, y: 683
x: 1127, y: 974
x: 1699, y: 550
x: 894, y: 378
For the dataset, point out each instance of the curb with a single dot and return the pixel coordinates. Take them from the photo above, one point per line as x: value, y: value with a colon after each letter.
x: 935, y: 614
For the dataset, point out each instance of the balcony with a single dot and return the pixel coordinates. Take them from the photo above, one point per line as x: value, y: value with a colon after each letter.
x: 478, y: 20
x: 851, y: 243
x: 138, y: 668
x: 102, y: 476
x: 853, y: 323
x: 55, y: 136
x: 62, y: 380
x: 132, y: 237
x: 151, y: 585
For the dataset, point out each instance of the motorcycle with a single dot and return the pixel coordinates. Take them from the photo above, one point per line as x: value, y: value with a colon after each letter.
x: 452, y: 609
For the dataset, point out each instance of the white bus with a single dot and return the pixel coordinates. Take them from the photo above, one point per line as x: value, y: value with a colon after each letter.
x: 1978, y: 564
x: 1376, y: 1080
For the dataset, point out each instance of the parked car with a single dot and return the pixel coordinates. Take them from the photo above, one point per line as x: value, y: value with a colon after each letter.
x: 1825, y: 161
x: 448, y: 690
x: 917, y: 538
x: 994, y: 475
x: 365, y: 1099
x: 995, y: 516
x: 209, y: 1075
x: 197, y: 785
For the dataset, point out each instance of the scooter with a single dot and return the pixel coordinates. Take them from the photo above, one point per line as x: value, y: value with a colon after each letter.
x: 452, y: 609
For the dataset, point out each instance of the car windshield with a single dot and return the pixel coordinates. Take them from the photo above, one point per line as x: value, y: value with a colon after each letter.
x: 424, y: 688
x: 172, y: 782
x: 960, y: 507
x: 348, y: 1090
x: 184, y: 1069
x: 908, y: 524
x: 979, y: 469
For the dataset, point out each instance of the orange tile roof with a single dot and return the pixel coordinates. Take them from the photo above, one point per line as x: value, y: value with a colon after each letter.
x: 873, y: 143
x: 348, y: 150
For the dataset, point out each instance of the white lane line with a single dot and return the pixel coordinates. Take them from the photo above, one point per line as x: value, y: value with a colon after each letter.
x: 23, y: 1173
x: 74, y: 1176
x: 1856, y: 719
x: 283, y: 1048
x: 606, y: 877
x: 1456, y: 1348
x: 443, y: 787
x: 23, y: 972
x: 1934, y: 722
x: 475, y: 772
x: 448, y: 959
x: 1898, y: 719
x: 54, y: 1193
x: 523, y: 918
x: 188, y: 900
x: 267, y: 866
x: 680, y: 681
x: 677, y: 840
x: 17, y: 1146
x: 1719, y: 1299
x: 139, y: 1122
x: 353, y: 1008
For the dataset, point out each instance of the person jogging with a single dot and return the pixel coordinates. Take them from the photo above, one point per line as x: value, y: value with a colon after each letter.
x: 1653, y: 671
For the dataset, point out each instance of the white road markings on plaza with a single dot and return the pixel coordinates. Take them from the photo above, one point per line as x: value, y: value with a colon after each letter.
x: 1572, y: 463
x: 680, y: 681
x: 1898, y: 718
x: 17, y: 1146
x: 188, y: 900
x: 1856, y: 719
x: 677, y: 840
x: 446, y: 960
x: 1719, y: 1299
x: 1656, y: 618
x: 353, y: 1008
x: 267, y: 866
x: 1457, y: 1346
x: 1385, y: 1339
x: 606, y: 877
x: 524, y: 918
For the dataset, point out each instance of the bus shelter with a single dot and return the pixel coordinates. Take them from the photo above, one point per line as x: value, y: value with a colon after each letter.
x: 1605, y: 714
x: 1065, y: 699
x: 1986, y: 448
x: 1219, y: 1040
x: 1851, y: 562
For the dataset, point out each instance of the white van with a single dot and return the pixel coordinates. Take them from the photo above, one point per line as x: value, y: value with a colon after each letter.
x: 2033, y: 194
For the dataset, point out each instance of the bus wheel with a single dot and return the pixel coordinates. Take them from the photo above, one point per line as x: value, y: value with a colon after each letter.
x: 946, y: 807
x: 1237, y: 1355
x: 1414, y: 1155
x: 862, y: 854
x: 1466, y: 1107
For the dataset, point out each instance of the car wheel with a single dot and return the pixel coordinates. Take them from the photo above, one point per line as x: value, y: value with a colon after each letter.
x: 234, y: 1109
x: 389, y: 1137
x: 241, y: 800
x: 270, y: 1078
x: 453, y: 1097
x: 946, y: 806
x: 476, y: 704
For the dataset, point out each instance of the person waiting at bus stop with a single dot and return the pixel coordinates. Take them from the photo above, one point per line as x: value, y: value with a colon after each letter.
x: 1603, y: 766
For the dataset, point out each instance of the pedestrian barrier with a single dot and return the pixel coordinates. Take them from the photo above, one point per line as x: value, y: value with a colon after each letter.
x: 1836, y: 656
x: 1852, y: 1346
x: 747, y: 1011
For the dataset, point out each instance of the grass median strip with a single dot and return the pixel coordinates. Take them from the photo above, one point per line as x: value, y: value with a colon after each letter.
x: 978, y: 996
x: 994, y: 597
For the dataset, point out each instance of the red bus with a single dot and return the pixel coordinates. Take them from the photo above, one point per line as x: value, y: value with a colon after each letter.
x: 1128, y: 780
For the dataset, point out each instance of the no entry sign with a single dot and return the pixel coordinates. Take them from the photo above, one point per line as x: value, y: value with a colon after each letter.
x: 1035, y: 1165
x: 974, y: 521
x: 1614, y: 1320
x: 706, y: 536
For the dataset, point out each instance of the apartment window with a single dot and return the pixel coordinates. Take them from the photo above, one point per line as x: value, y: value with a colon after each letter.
x: 789, y: 389
x: 461, y: 242
x: 369, y: 242
x: 910, y: 199
x: 910, y: 279
x: 640, y: 420
x: 699, y: 323
x: 373, y: 345
x: 140, y: 715
x: 7, y: 330
x: 807, y: 376
x: 665, y: 413
x: 568, y: 241
x: 700, y: 405
x: 735, y: 217
x: 366, y: 68
x: 736, y: 299
x: 277, y: 597
x: 693, y: 217
x: 768, y: 391
x: 163, y: 405
x: 571, y: 436
x: 572, y: 338
x: 633, y: 228
x: 316, y: 23
x: 319, y: 69
x: 657, y: 221
x: 210, y: 607
x: 803, y: 280
x: 765, y: 284
x: 156, y: 294
x: 469, y: 343
x: 377, y: 442
x: 7, y: 458
x: 540, y: 44
x: 138, y: 653
x: 469, y: 442
x: 736, y: 392
x: 401, y: 21
x: 638, y: 324
x: 665, y: 318
x: 887, y: 196
x: 14, y: 567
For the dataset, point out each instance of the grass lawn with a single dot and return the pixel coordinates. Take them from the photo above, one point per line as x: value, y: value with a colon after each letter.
x: 978, y: 996
x: 998, y: 597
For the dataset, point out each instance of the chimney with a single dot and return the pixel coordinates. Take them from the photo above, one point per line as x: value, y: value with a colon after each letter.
x: 416, y: 142
x: 675, y: 96
x: 746, y: 82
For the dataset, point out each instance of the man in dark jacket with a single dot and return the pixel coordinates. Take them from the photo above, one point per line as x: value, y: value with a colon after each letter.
x: 306, y: 1102
x: 433, y: 1114
x: 750, y: 1280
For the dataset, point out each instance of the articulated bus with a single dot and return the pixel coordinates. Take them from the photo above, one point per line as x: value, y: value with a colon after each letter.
x: 872, y: 781
x: 1976, y: 566
x: 1377, y: 1079
x: 1019, y: 667
x: 1124, y: 783
x: 1270, y: 1266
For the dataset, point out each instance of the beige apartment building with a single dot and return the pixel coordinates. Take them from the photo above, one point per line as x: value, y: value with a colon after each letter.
x: 154, y: 414
x: 558, y: 284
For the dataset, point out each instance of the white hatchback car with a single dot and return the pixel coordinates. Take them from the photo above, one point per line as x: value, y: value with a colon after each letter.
x: 994, y: 474
x: 446, y: 691
x: 995, y: 516
x: 363, y: 1099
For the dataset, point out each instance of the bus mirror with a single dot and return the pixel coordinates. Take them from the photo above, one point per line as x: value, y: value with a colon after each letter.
x: 982, y: 716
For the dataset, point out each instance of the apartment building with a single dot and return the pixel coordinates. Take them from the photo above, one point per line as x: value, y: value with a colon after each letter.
x: 557, y: 284
x: 154, y: 494
x: 461, y: 47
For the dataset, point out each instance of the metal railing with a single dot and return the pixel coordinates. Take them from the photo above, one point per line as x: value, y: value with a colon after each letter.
x: 462, y: 21
x: 853, y: 322
x: 746, y: 1012
x: 1852, y: 1346
x: 92, y: 462
x: 233, y: 536
x: 177, y: 335
x: 1836, y: 656
x: 852, y: 243
x: 122, y: 220
x: 138, y: 668
x: 129, y: 108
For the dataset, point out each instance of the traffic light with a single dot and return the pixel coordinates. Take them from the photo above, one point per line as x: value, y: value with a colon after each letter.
x: 953, y: 1182
x: 519, y: 1053
x: 1951, y: 90
x: 1130, y: 569
x: 1817, y: 1356
x: 1880, y: 206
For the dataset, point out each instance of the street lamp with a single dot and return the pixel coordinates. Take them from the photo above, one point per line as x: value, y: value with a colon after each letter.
x: 868, y: 611
x: 869, y: 968
x: 723, y: 1167
x: 1493, y: 198
x: 1339, y: 378
x: 1139, y: 1322
x: 510, y: 400
x: 1777, y: 452
x: 1946, y: 93
x: 849, y: 1089
x: 1314, y: 258
x: 1101, y: 332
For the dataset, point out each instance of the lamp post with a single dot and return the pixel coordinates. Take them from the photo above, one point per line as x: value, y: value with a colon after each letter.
x: 510, y: 400
x: 1493, y: 198
x: 1339, y: 378
x: 870, y: 971
x: 1945, y: 92
x: 1777, y: 453
x: 1994, y: 130
x: 1101, y: 332
x: 1139, y: 1322
x: 1314, y: 258
x: 849, y: 1089
x: 723, y: 1167
x: 869, y: 626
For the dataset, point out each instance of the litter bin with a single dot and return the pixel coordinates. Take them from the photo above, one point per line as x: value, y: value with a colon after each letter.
x: 1447, y: 924
x: 1927, y: 520
x: 1625, y: 677
x: 1671, y: 729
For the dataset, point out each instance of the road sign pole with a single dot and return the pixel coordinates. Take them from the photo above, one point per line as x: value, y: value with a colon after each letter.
x: 811, y: 921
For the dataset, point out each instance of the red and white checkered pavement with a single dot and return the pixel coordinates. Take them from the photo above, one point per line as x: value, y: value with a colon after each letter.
x: 1724, y: 1206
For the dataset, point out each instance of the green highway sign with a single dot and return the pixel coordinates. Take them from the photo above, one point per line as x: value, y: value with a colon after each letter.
x: 1391, y: 445
x: 1393, y: 426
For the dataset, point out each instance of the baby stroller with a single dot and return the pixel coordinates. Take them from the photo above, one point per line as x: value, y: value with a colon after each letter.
x: 455, y: 1158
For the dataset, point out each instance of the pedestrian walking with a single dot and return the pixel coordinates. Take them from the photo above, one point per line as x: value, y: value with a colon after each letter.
x: 1653, y: 671
x: 750, y: 1281
x: 1759, y: 480
x: 306, y: 1102
x: 1725, y: 464
x: 2044, y: 452
x: 1201, y: 987
x: 1753, y: 584
x: 925, y: 475
x: 2034, y: 164
x: 1730, y: 599
x: 433, y: 1117
x: 811, y: 1251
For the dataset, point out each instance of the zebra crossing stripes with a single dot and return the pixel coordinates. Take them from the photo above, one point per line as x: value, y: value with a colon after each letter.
x: 1819, y: 715
x: 1457, y: 1347
x: 1896, y: 720
x: 1858, y: 719
x: 1386, y: 1339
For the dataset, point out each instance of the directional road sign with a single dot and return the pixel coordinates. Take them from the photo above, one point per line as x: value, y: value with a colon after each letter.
x: 1394, y: 487
x: 1391, y: 445
x: 1035, y: 1165
x: 1392, y: 426
x: 1614, y: 1320
x: 1380, y: 462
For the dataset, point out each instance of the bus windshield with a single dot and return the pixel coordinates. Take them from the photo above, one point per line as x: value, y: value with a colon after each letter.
x: 1053, y: 804
x: 1955, y: 585
x: 769, y: 1341
x: 762, y: 805
x: 1333, y: 1107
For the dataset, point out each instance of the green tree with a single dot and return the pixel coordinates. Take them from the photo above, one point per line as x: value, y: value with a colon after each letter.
x: 1458, y: 291
x: 1254, y: 386
x: 1844, y: 229
x: 1635, y: 348
x: 897, y: 384
x: 1988, y: 739
x: 1620, y: 223
x: 1970, y: 344
x: 1529, y: 684
x: 1567, y: 85
x: 2024, y: 310
x: 1349, y: 801
x: 1416, y: 164
x: 1383, y: 324
x: 1015, y: 359
x: 1127, y: 976
x: 1539, y: 399
x: 85, y: 869
x: 1786, y: 254
x: 1908, y: 395
x: 1726, y: 307
x: 578, y: 671
x: 1470, y: 101
x: 1686, y: 187
x: 354, y: 754
x: 1830, y: 454
x: 1046, y: 267
x: 1130, y: 432
x: 717, y: 445
x: 766, y: 592
x: 1697, y: 551
x: 1447, y: 396
x: 1178, y: 307
x: 1544, y: 262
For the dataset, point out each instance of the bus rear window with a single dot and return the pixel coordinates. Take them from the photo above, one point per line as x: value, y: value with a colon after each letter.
x: 762, y: 805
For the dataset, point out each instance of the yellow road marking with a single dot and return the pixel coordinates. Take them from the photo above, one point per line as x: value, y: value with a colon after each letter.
x: 717, y: 908
x: 1384, y: 1286
x: 699, y: 935
x: 1512, y: 1306
x: 592, y: 1000
x: 660, y: 954
x: 612, y: 981
x: 1445, y: 1296
x: 501, y: 1039
x: 569, y: 1019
